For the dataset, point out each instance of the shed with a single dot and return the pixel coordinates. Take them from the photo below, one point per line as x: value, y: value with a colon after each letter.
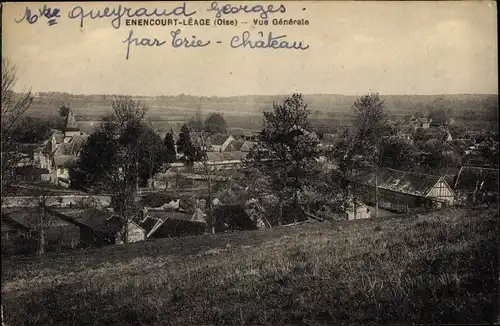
x: 100, y: 227
x: 357, y: 211
x: 403, y: 190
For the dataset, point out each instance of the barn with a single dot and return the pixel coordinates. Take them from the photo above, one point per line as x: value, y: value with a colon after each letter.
x: 99, y: 227
x: 404, y: 191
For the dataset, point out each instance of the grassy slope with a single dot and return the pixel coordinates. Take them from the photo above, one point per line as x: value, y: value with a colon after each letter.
x: 427, y: 269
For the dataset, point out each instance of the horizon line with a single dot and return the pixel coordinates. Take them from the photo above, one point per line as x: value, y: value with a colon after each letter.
x: 249, y: 95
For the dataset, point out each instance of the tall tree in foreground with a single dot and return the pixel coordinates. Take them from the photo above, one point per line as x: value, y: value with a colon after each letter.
x: 14, y: 106
x: 198, y: 153
x: 115, y: 156
x: 286, y: 150
x: 360, y: 148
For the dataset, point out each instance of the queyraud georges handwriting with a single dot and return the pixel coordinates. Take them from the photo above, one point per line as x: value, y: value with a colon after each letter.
x: 178, y: 16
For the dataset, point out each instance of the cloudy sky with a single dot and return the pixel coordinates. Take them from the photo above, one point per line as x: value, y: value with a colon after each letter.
x: 389, y: 47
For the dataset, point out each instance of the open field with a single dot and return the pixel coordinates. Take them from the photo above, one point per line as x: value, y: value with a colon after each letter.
x: 246, y: 111
x: 437, y: 268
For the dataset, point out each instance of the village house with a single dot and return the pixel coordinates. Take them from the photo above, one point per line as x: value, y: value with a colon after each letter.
x: 476, y: 185
x: 219, y: 142
x: 25, y: 222
x: 357, y: 211
x: 61, y: 151
x: 100, y: 227
x: 251, y: 135
x: 404, y: 191
x: 240, y: 146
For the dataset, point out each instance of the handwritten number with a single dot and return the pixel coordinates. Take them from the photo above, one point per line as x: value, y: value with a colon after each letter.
x: 49, y: 13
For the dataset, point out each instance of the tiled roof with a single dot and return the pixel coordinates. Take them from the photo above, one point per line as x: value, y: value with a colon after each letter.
x: 65, y: 161
x: 73, y: 146
x: 101, y: 221
x: 402, y: 181
x: 240, y: 145
x: 218, y: 139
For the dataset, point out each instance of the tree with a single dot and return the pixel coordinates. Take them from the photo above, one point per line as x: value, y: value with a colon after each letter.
x: 197, y: 152
x: 113, y: 157
x: 215, y: 124
x: 64, y: 110
x: 432, y: 156
x: 359, y: 148
x: 185, y: 144
x: 14, y: 106
x: 169, y: 148
x: 456, y: 130
x: 32, y: 130
x: 151, y: 153
x: 397, y: 154
x: 286, y: 151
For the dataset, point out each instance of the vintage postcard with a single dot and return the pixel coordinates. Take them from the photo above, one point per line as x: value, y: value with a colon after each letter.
x: 249, y: 163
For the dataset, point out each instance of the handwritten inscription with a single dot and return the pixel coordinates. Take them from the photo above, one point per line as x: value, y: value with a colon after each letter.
x: 178, y: 41
x: 259, y: 41
x: 118, y: 13
x: 181, y: 15
x: 145, y: 41
x: 228, y: 9
x: 47, y: 12
x: 270, y: 42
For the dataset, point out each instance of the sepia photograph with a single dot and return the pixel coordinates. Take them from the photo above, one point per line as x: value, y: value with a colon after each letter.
x: 250, y: 163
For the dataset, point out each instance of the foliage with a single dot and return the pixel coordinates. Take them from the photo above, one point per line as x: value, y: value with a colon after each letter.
x: 359, y: 148
x: 169, y: 148
x: 286, y: 150
x: 31, y: 130
x: 215, y: 124
x: 185, y: 145
x: 13, y: 107
x: 64, y: 111
x: 457, y: 130
x: 122, y: 153
x: 397, y: 154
